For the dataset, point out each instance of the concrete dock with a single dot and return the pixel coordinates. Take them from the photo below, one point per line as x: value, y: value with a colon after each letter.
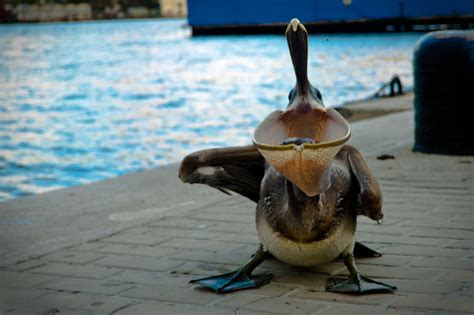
x: 130, y: 245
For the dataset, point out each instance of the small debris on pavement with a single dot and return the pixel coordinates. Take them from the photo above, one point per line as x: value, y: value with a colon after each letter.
x: 385, y: 157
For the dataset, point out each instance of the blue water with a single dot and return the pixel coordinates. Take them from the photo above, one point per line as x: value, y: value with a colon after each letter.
x: 80, y: 102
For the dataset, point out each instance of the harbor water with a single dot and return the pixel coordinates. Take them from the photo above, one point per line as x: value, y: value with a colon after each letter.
x: 80, y: 102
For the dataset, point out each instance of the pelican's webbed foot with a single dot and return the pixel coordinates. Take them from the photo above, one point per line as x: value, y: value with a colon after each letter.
x: 239, y: 279
x: 356, y: 283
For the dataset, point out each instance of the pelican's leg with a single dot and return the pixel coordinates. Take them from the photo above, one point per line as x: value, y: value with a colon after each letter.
x: 356, y: 283
x: 239, y: 279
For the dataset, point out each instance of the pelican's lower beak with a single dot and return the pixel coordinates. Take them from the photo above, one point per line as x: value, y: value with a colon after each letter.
x: 301, y: 145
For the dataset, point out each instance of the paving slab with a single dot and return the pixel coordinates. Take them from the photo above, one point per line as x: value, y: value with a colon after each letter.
x: 90, y: 286
x: 83, y: 302
x: 35, y: 225
x: 75, y: 270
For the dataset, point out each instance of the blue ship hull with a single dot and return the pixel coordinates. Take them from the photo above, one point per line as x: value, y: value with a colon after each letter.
x: 255, y: 16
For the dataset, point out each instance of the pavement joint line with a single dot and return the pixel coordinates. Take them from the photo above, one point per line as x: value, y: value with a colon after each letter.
x: 123, y: 307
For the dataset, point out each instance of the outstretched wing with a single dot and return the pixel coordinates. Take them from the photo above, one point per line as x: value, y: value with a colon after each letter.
x: 239, y: 169
x: 369, y: 200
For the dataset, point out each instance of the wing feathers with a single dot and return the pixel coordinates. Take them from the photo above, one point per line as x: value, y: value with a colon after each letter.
x: 369, y: 197
x: 239, y: 169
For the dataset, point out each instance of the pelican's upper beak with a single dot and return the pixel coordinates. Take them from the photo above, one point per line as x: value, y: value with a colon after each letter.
x: 297, y: 38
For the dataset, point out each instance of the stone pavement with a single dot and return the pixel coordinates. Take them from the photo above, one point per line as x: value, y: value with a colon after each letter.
x: 372, y: 107
x: 426, y: 238
x: 399, y: 103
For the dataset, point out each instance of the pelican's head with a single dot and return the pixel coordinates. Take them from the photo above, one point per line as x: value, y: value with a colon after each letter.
x: 303, y: 96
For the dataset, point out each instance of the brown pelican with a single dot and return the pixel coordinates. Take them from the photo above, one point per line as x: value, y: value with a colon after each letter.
x: 308, y: 185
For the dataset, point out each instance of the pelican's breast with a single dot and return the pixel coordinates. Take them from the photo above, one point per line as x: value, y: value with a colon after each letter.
x: 307, y: 254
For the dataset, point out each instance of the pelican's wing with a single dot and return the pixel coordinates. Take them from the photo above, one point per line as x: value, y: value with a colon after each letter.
x: 239, y: 169
x: 369, y: 199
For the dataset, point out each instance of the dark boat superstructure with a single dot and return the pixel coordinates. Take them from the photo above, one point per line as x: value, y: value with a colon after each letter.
x: 215, y: 17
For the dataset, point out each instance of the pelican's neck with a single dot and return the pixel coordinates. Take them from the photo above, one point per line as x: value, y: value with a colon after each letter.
x: 302, y: 214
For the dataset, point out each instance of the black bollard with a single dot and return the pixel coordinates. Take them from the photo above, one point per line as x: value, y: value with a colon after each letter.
x: 443, y: 67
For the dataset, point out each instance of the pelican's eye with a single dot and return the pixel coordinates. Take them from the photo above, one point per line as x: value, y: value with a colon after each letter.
x: 291, y: 94
x: 317, y: 93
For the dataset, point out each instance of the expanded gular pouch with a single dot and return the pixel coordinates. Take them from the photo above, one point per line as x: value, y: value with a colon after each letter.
x: 305, y: 165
